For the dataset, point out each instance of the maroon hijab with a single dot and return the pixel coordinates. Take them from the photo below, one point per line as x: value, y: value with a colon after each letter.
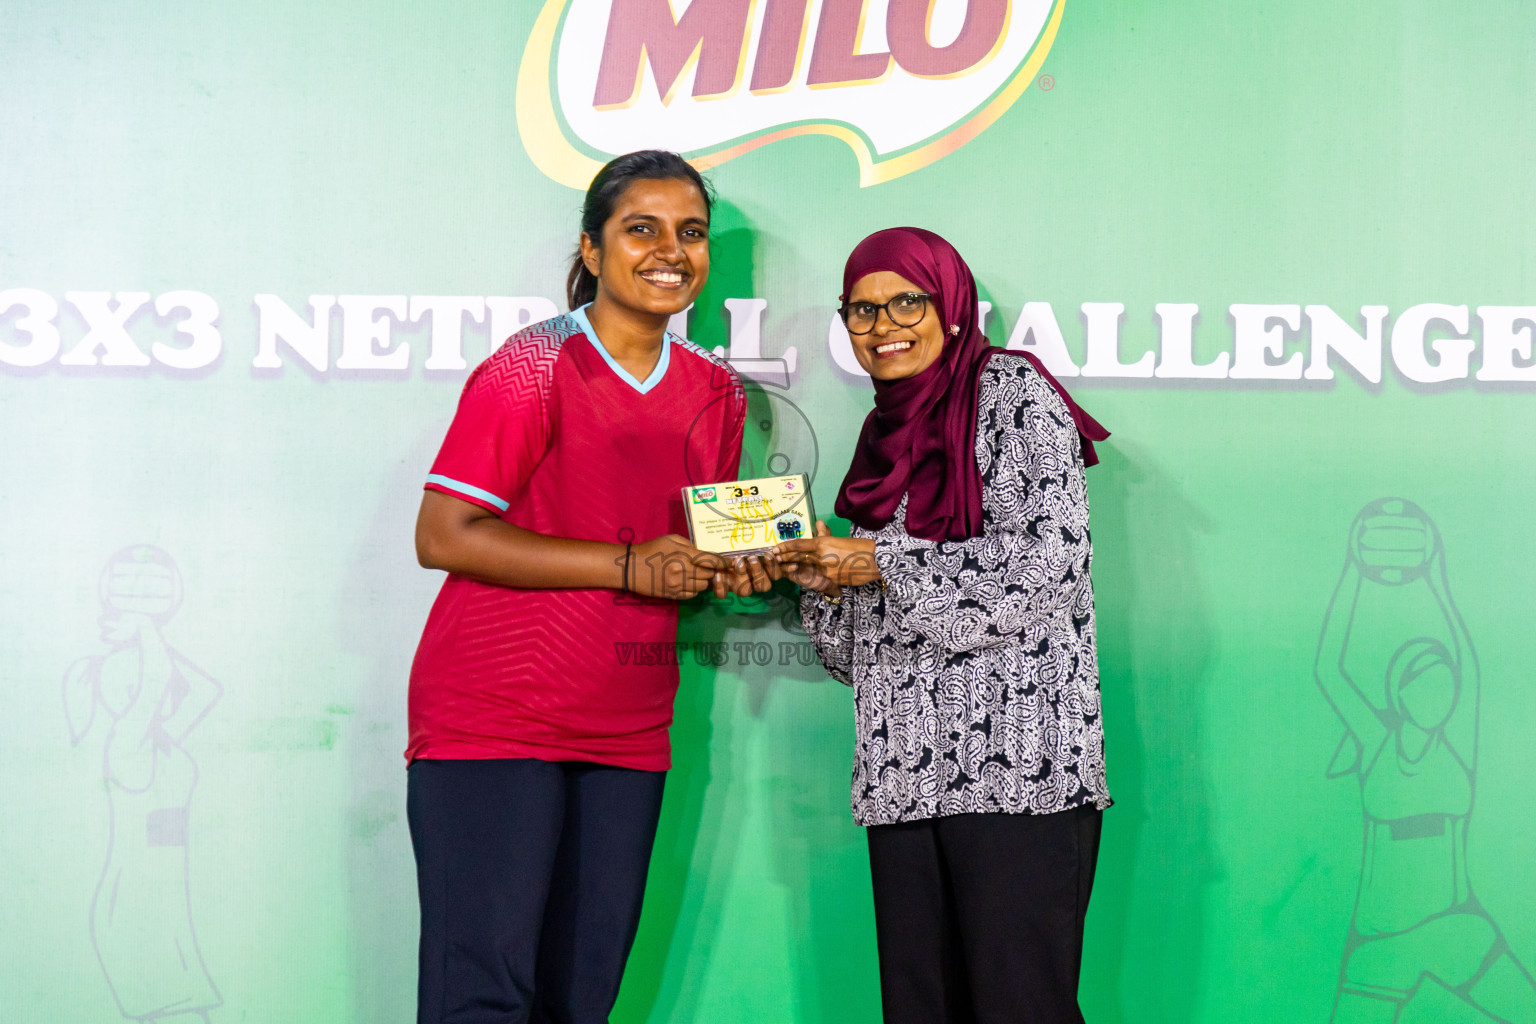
x: 920, y: 439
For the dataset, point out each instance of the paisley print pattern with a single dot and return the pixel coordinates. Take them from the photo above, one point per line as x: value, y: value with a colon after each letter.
x: 974, y: 671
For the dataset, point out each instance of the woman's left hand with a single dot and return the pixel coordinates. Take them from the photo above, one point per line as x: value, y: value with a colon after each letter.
x: 847, y: 561
x: 745, y: 576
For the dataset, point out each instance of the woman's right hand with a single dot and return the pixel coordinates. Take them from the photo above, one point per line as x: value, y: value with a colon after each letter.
x: 757, y: 573
x: 670, y: 567
x: 809, y: 574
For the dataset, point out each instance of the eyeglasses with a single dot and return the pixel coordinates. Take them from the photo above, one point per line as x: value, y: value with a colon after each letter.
x: 905, y: 310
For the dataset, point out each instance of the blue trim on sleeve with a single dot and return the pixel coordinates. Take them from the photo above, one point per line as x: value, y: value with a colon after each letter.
x: 580, y: 316
x: 468, y: 490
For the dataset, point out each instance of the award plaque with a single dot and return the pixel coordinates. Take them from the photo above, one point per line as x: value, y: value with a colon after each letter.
x: 747, y: 516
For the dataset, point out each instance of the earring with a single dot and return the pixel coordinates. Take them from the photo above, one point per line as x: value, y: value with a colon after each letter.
x: 954, y: 328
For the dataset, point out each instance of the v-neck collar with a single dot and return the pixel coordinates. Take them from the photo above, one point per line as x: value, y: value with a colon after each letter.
x: 660, y: 370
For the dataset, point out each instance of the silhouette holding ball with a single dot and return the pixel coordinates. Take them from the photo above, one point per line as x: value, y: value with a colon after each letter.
x: 149, y: 698
x: 1421, y: 948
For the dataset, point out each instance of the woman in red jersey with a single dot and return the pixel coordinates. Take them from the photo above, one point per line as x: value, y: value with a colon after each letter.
x: 537, y: 755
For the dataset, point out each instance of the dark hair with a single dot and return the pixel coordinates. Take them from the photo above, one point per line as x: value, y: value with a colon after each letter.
x: 603, y: 195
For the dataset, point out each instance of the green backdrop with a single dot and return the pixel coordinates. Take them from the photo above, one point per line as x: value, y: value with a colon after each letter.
x: 1303, y: 154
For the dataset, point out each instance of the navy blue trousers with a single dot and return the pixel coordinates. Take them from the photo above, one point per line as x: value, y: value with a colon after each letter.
x: 530, y: 875
x: 979, y: 917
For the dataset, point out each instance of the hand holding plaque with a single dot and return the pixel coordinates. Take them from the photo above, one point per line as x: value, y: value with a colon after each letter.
x: 748, y: 516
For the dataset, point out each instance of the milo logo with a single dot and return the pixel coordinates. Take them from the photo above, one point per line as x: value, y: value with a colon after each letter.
x: 900, y: 82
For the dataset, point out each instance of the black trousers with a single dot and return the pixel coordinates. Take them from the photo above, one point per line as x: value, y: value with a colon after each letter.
x: 979, y: 917
x: 530, y: 875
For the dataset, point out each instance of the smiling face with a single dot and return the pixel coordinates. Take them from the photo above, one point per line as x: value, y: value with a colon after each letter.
x: 890, y: 351
x: 654, y: 254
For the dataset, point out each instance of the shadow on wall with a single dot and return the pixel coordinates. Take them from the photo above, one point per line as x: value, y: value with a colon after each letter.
x: 1397, y: 664
x: 804, y: 719
x: 1145, y: 929
x: 819, y: 854
x: 147, y: 698
x: 820, y: 873
x: 697, y: 837
x: 696, y: 845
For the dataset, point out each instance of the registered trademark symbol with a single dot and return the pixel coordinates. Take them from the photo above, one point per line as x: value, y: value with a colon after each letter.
x: 1047, y: 82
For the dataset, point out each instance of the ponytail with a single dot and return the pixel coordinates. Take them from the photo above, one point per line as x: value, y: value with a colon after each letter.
x: 580, y: 284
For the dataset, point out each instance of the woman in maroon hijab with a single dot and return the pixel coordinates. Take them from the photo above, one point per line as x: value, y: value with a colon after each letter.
x: 961, y: 613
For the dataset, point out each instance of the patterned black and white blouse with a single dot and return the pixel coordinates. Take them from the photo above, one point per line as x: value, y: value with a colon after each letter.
x: 974, y: 672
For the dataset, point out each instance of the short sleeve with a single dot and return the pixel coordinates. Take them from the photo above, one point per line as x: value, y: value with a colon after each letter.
x: 501, y: 428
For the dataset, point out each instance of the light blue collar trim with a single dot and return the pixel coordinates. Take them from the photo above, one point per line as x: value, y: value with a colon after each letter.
x: 580, y: 316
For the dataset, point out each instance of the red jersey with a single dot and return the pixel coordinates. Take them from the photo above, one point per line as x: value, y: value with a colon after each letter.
x: 554, y: 436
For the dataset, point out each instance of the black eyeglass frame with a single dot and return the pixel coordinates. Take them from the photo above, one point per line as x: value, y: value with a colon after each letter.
x: 886, y: 305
